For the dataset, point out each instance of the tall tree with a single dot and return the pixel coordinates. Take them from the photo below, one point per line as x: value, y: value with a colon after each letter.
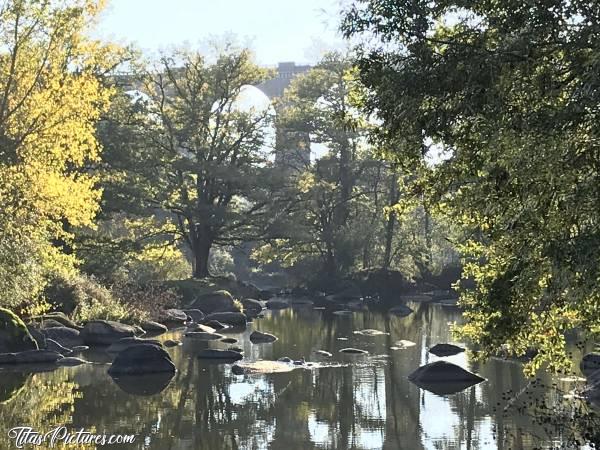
x: 511, y: 90
x: 195, y: 153
x: 51, y: 96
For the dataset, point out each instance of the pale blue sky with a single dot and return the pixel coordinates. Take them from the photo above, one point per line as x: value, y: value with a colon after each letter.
x: 277, y: 30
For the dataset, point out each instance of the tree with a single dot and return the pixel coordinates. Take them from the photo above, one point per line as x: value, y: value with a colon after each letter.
x: 192, y: 153
x: 51, y: 95
x: 510, y: 90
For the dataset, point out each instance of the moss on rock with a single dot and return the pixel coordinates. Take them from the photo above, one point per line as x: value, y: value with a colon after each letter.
x: 14, y: 335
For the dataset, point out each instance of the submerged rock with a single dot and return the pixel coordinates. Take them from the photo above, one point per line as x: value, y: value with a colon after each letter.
x: 258, y: 337
x: 401, y: 310
x: 14, y: 335
x: 446, y: 350
x: 202, y: 336
x: 67, y: 337
x: 229, y: 318
x: 441, y: 377
x: 259, y: 367
x: 371, y: 332
x: 229, y: 340
x: 127, y: 342
x: 403, y: 344
x: 225, y: 355
x: 144, y: 358
x: 354, y: 351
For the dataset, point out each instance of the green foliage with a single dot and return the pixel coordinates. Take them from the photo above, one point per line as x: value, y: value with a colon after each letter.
x: 510, y: 91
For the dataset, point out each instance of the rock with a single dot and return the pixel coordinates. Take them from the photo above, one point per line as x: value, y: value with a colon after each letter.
x: 146, y: 384
x: 237, y: 319
x: 229, y: 340
x: 265, y: 294
x: 173, y: 316
x: 171, y: 343
x: 403, y: 344
x: 343, y: 313
x: 252, y: 306
x: 302, y: 301
x: 37, y: 356
x: 153, y: 327
x: 277, y: 303
x: 200, y: 327
x: 299, y: 362
x: 215, y: 325
x: 71, y: 361
x: 51, y: 323
x: 355, y: 351
x: 67, y: 337
x: 127, y: 342
x: 323, y: 353
x: 56, y: 347
x: 285, y: 359
x: 195, y: 314
x: 590, y: 363
x: 59, y: 317
x: 236, y: 349
x: 442, y: 378
x: 8, y: 358
x: 14, y: 335
x: 105, y: 332
x: 38, y: 336
x: 401, y: 310
x: 446, y: 350
x: 371, y: 332
x: 218, y: 301
x: 259, y: 367
x: 258, y: 337
x: 201, y: 335
x: 225, y: 355
x: 144, y: 358
x: 80, y: 348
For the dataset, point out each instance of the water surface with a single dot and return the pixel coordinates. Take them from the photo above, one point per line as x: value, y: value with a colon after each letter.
x: 344, y: 402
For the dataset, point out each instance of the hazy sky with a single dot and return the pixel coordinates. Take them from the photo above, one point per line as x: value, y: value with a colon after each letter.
x: 277, y: 30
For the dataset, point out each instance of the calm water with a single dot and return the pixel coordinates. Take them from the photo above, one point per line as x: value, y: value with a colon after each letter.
x: 363, y: 402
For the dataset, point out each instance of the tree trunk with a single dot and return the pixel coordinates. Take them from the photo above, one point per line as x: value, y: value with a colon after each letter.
x: 201, y: 244
x: 389, y: 229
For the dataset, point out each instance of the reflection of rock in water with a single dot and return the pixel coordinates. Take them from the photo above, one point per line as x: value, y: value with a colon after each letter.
x: 144, y: 385
x: 11, y: 384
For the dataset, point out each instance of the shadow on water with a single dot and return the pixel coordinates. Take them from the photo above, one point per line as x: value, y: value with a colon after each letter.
x: 364, y: 402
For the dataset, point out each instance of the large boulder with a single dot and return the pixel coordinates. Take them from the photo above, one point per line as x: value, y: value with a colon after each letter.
x: 105, y: 332
x: 144, y: 358
x: 218, y: 301
x: 446, y: 350
x: 237, y: 319
x: 258, y: 337
x: 67, y: 337
x: 14, y: 335
x: 441, y: 377
x: 590, y: 363
x: 127, y: 342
